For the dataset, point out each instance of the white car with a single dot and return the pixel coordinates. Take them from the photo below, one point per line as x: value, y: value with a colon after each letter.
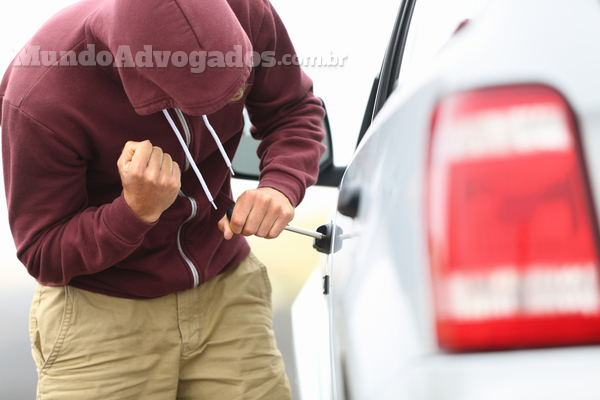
x: 464, y: 255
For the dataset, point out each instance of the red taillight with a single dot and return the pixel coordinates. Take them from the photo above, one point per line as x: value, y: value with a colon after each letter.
x: 511, y: 232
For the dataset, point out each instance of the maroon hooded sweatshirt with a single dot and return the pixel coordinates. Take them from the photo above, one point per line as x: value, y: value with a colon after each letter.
x: 65, y: 121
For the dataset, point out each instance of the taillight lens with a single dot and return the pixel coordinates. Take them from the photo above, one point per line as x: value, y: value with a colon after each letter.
x: 511, y: 229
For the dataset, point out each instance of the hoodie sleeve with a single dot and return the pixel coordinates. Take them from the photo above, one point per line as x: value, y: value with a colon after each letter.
x: 286, y: 116
x: 44, y: 174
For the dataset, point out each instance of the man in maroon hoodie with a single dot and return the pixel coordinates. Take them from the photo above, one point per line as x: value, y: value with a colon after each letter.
x: 119, y: 118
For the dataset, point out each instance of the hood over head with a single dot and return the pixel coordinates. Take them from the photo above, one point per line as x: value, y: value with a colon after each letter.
x: 143, y: 35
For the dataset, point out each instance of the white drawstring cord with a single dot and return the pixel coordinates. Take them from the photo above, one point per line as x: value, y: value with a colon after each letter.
x: 218, y: 142
x: 189, y: 157
x: 186, y: 130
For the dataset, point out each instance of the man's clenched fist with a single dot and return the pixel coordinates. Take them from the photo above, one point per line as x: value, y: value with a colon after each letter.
x: 151, y: 179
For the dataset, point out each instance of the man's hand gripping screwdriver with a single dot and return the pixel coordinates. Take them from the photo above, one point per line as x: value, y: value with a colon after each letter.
x: 290, y: 228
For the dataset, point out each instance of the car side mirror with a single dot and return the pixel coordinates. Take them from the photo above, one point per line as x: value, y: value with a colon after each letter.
x: 245, y: 163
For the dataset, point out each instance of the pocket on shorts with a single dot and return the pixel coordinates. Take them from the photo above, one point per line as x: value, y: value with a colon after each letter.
x: 34, y: 332
x: 265, y: 276
x: 49, y: 321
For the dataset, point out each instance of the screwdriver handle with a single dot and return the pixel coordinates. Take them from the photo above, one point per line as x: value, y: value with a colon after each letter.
x: 230, y: 211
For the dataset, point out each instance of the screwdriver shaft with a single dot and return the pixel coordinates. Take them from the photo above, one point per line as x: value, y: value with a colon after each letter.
x: 313, y: 234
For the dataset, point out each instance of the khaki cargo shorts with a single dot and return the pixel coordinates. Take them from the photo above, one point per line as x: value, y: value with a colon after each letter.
x: 212, y: 342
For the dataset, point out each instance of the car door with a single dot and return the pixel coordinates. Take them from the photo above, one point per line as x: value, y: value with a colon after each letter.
x: 347, y: 228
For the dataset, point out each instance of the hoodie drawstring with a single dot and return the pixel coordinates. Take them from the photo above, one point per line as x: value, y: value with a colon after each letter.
x: 219, y: 144
x: 189, y: 156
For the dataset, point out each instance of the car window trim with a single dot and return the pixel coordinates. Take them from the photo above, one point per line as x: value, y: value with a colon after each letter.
x: 392, y: 62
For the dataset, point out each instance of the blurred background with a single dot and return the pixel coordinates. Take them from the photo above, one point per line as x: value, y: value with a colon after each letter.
x: 318, y: 28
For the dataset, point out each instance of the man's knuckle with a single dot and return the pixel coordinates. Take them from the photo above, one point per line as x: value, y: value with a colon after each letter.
x: 163, y: 181
x: 157, y: 150
x: 277, y: 208
x: 238, y: 224
x: 251, y: 195
x: 151, y: 178
x: 248, y: 230
x: 265, y: 201
x: 137, y: 173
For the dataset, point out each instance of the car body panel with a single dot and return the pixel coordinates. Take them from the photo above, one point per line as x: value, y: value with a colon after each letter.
x: 382, y: 336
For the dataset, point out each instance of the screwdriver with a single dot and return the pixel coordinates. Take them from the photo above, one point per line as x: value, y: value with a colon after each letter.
x: 312, y: 234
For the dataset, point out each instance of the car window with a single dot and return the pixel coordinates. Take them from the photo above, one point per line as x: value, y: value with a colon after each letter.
x: 422, y: 28
x: 433, y: 24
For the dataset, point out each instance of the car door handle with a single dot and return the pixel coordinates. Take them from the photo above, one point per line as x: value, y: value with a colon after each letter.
x: 326, y: 244
x: 349, y: 200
